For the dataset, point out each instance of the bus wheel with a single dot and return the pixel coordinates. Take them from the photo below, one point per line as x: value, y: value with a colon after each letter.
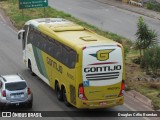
x: 58, y: 92
x: 30, y: 68
x: 65, y: 97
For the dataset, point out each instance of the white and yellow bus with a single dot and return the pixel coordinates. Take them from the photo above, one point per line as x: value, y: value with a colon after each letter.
x: 85, y: 69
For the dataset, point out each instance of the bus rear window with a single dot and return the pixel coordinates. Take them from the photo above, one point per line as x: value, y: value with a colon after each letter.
x: 15, y: 86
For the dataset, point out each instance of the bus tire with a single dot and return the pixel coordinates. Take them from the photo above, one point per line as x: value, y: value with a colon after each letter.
x: 65, y: 97
x: 58, y: 92
x: 30, y: 68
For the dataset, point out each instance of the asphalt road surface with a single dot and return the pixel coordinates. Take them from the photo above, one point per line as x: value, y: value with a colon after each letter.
x: 44, y: 96
x: 105, y: 17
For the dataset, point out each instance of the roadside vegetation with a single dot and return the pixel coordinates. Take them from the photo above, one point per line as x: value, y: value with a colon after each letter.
x: 153, y: 5
x: 147, y: 59
x: 137, y: 55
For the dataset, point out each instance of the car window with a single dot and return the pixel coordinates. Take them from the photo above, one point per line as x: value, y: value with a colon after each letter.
x: 15, y: 86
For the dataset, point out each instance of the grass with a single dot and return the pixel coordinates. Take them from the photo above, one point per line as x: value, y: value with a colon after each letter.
x: 11, y: 9
x: 148, y: 89
x: 153, y: 5
x: 151, y: 93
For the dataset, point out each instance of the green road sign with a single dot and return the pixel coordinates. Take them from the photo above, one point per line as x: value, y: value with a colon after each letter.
x: 24, y: 4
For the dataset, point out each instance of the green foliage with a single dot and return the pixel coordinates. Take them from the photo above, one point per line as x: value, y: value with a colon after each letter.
x: 153, y: 5
x: 152, y: 37
x: 152, y: 93
x: 146, y: 38
x: 152, y: 60
x: 141, y: 34
x: 126, y: 51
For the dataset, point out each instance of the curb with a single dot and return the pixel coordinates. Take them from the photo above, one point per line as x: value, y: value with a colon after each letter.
x: 143, y: 99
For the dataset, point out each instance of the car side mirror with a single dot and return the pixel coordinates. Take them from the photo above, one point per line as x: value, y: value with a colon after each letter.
x: 20, y: 34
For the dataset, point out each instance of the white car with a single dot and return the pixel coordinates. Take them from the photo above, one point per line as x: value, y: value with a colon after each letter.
x: 14, y: 91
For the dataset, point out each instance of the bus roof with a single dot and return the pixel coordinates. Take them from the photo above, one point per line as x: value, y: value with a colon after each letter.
x: 69, y: 33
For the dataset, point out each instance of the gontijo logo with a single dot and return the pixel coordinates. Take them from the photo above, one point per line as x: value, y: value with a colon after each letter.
x: 102, y: 55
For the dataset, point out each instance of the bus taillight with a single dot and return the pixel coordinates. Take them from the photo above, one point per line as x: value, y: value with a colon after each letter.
x: 81, y: 92
x: 122, y: 88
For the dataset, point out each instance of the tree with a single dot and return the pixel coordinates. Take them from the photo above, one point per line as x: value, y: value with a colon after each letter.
x: 145, y: 37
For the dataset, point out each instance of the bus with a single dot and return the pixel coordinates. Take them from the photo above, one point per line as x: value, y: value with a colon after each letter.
x: 86, y: 70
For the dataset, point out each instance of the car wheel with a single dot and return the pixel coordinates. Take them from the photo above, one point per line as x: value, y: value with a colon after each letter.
x: 65, y: 98
x: 58, y: 92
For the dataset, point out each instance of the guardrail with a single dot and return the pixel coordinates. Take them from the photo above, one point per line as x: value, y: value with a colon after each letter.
x: 132, y: 2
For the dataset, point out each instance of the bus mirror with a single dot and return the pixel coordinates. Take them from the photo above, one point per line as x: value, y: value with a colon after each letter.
x: 0, y: 85
x: 20, y: 34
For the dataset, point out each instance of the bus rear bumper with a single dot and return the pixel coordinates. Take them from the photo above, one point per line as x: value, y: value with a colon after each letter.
x: 84, y: 104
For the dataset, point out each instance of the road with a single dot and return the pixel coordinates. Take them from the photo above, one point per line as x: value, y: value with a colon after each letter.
x: 105, y: 17
x: 44, y: 96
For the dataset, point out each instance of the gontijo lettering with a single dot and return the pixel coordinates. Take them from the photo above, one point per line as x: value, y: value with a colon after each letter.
x: 54, y: 65
x: 102, y: 69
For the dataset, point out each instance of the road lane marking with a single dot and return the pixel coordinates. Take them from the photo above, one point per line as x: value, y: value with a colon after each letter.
x: 132, y: 109
x: 12, y: 29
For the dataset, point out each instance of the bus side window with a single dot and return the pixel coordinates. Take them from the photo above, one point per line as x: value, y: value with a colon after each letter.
x: 72, y: 58
x: 58, y: 51
x: 30, y: 36
x: 49, y: 46
x: 43, y: 42
x: 65, y: 55
x: 39, y: 40
x: 36, y: 38
x: 44, y: 45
